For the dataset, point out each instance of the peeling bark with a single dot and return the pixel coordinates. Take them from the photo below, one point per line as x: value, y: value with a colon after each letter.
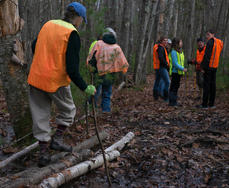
x: 12, y: 72
x: 111, y: 153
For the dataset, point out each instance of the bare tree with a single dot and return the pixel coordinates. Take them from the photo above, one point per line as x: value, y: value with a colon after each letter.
x: 12, y: 66
x: 190, y: 37
x: 145, y: 18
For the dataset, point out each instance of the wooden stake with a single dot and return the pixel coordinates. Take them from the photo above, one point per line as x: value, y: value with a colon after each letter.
x: 97, y: 133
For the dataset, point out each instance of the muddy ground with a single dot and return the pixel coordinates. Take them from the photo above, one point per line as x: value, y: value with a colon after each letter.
x: 173, y: 147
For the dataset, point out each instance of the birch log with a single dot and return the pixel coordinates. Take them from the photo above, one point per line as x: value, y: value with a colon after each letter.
x: 80, y: 169
x: 84, y: 145
x: 77, y: 170
x: 18, y: 154
x: 121, y: 143
x: 35, y: 175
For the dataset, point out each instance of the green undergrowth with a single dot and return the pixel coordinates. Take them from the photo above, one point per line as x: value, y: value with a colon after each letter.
x: 222, y: 76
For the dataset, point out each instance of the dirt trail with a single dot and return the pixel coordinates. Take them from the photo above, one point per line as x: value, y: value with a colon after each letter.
x: 177, y: 147
x: 174, y: 146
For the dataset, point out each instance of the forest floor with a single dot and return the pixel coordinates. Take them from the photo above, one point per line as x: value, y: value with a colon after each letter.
x: 173, y: 146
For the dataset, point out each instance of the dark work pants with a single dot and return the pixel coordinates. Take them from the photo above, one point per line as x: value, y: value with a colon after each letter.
x: 175, y: 83
x: 209, y: 88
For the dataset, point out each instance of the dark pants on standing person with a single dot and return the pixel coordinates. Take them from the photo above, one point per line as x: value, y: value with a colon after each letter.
x: 163, y: 74
x: 209, y: 88
x: 175, y: 84
x: 199, y: 79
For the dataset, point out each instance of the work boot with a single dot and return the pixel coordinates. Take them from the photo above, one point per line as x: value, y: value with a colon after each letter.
x: 155, y: 95
x: 201, y: 106
x: 166, y: 95
x: 172, y: 99
x: 44, y: 156
x: 58, y: 144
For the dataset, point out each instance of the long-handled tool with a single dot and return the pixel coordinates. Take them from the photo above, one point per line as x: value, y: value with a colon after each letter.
x: 97, y: 133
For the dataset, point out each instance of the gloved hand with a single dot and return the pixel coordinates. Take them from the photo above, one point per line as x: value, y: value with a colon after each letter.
x: 90, y: 90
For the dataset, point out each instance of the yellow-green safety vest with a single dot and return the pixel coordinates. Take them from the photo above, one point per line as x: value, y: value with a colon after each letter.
x: 92, y: 45
x: 180, y: 58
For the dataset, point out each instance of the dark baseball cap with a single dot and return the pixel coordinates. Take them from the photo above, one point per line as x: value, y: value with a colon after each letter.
x: 80, y: 9
x: 200, y: 40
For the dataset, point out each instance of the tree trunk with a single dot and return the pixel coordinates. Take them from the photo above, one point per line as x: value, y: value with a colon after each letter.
x: 139, y: 64
x: 176, y: 19
x: 169, y: 17
x: 160, y: 28
x: 149, y: 38
x: 12, y: 63
x: 131, y: 48
x: 190, y: 38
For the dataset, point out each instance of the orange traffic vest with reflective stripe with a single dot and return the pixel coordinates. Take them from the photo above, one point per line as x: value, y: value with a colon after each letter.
x: 199, y: 57
x: 48, y: 69
x: 216, y: 50
x: 156, y: 61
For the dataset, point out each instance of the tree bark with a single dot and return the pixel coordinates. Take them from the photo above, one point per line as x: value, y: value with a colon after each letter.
x: 169, y: 17
x: 12, y: 63
x: 77, y: 170
x: 160, y: 28
x: 35, y: 175
x: 176, y: 19
x: 80, y: 169
x: 139, y: 64
x: 190, y: 38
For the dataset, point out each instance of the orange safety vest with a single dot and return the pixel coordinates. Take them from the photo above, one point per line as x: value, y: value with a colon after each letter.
x: 48, y: 69
x: 156, y: 61
x: 199, y: 57
x: 216, y: 50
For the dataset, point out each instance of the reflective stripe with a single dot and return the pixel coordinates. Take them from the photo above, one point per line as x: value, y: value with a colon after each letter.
x: 92, y: 45
x: 170, y: 64
x: 180, y: 62
x: 64, y: 24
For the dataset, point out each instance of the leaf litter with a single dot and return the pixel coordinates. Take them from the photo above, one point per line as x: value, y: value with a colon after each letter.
x: 173, y: 146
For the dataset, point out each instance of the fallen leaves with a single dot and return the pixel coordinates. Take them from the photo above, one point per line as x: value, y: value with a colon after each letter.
x: 173, y: 147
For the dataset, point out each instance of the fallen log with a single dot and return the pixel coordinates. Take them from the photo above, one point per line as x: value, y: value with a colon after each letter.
x: 35, y: 175
x: 204, y: 140
x: 84, y: 145
x: 89, y: 143
x: 121, y: 86
x: 18, y: 155
x: 121, y: 143
x: 212, y: 131
x: 80, y: 169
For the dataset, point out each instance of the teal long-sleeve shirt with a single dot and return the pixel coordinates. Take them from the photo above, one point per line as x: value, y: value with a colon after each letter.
x: 175, y: 64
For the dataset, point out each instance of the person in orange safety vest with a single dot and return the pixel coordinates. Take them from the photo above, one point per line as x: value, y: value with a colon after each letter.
x: 55, y: 64
x: 209, y: 65
x: 161, y: 66
x: 197, y: 61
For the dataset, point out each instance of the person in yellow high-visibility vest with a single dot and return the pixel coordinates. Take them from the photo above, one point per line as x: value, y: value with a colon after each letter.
x: 176, y: 70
